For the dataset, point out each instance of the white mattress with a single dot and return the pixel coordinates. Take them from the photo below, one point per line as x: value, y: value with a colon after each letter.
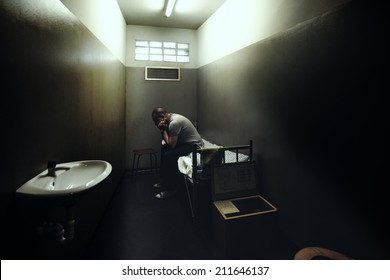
x: 185, y: 163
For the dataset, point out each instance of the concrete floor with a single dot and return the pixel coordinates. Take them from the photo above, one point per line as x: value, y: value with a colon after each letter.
x: 138, y: 226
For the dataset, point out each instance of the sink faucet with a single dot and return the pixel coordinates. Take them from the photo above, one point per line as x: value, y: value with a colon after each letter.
x: 51, y: 168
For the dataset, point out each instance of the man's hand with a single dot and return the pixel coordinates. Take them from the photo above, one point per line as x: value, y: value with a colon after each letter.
x: 162, y: 125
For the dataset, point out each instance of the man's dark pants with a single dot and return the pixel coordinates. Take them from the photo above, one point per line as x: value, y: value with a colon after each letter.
x: 169, y: 172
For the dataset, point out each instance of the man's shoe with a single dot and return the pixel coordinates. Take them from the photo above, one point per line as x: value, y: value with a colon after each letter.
x: 157, y: 185
x: 165, y: 194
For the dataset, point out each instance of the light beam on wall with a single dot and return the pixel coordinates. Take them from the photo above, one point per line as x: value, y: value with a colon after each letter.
x: 170, y: 4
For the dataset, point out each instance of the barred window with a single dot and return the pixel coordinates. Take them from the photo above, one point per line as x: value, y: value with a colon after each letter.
x: 162, y: 51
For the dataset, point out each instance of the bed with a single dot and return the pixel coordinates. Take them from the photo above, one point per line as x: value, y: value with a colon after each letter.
x: 196, y: 167
x: 227, y: 154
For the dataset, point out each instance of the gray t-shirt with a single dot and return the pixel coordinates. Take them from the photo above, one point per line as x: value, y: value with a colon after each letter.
x: 185, y: 131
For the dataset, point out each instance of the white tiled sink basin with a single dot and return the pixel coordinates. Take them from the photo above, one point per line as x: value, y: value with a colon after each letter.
x: 67, y: 178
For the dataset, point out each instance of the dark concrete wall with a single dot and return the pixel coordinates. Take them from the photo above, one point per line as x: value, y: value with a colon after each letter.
x: 311, y: 98
x: 143, y: 96
x: 63, y: 99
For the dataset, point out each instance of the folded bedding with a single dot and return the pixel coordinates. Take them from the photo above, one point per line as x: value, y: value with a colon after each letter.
x: 210, y: 154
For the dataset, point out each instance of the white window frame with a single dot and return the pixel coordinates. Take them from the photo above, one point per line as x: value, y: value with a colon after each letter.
x: 163, y: 51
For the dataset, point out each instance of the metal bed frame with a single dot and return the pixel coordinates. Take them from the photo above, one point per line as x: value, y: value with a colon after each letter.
x: 192, y: 184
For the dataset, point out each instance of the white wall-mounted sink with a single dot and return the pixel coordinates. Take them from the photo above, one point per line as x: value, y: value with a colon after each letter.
x: 67, y: 178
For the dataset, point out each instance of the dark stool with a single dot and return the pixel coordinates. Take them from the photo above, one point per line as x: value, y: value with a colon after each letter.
x: 146, y: 151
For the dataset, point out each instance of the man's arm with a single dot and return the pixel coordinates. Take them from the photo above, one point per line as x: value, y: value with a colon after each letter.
x: 170, y: 140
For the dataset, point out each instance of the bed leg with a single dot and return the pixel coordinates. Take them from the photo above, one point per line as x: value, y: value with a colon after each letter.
x: 189, y: 197
x: 250, y: 150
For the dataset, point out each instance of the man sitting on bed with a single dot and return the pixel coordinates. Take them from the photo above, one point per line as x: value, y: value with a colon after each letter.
x: 179, y: 135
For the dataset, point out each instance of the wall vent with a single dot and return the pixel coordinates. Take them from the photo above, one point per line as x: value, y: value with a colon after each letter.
x: 162, y: 73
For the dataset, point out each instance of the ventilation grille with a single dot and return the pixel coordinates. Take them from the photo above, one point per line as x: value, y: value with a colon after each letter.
x: 162, y: 73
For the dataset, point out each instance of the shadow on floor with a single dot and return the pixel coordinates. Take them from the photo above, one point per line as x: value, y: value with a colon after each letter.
x: 137, y: 226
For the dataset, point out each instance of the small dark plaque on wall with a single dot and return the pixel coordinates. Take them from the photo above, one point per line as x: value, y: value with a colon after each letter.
x: 162, y: 73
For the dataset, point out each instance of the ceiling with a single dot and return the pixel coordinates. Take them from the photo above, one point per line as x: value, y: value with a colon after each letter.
x: 187, y: 14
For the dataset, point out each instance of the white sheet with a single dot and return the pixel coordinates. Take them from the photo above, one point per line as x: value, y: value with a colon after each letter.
x: 185, y: 163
